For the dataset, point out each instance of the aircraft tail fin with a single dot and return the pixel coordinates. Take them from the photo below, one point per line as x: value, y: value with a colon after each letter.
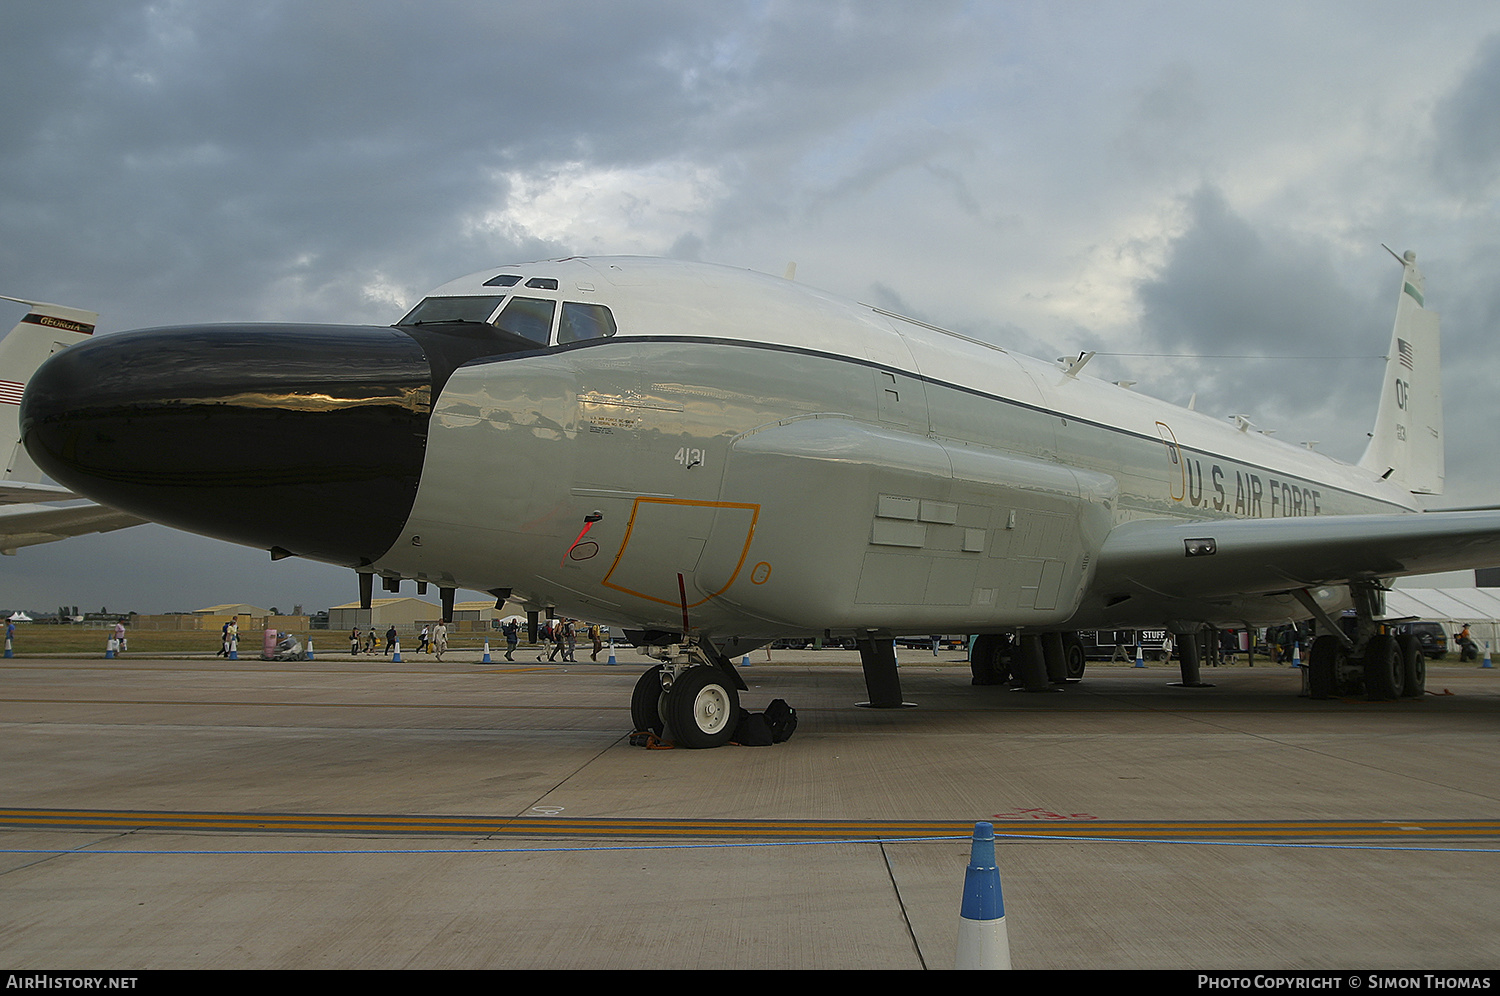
x: 45, y: 329
x: 1406, y: 447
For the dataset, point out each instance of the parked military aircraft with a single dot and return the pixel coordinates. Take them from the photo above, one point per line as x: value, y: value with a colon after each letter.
x: 712, y: 458
x: 30, y: 519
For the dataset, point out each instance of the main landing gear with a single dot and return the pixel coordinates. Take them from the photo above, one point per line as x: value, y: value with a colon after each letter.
x: 1034, y: 662
x: 1390, y: 667
x: 1372, y: 662
x: 692, y: 698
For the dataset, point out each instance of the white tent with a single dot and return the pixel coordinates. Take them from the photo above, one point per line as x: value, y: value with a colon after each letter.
x: 1451, y: 607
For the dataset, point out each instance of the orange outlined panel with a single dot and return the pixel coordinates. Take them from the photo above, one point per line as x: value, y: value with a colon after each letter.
x: 668, y: 536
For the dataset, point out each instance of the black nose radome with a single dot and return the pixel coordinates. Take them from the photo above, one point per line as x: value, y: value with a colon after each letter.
x: 306, y: 438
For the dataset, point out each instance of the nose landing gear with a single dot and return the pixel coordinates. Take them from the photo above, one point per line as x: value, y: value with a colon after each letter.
x: 692, y: 698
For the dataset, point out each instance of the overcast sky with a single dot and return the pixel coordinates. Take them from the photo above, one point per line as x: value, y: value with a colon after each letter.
x: 1172, y: 183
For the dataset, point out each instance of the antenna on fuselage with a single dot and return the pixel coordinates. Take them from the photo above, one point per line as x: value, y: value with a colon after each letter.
x: 791, y: 271
x: 1071, y: 367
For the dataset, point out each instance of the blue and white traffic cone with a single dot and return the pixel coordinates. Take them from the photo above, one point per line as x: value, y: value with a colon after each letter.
x: 745, y: 661
x: 109, y: 648
x: 1297, y: 654
x: 486, y: 658
x: 10, y: 651
x: 397, y: 658
x: 612, y: 662
x: 982, y: 938
x: 234, y: 648
x: 309, y: 648
x: 1486, y: 662
x: 1140, y: 656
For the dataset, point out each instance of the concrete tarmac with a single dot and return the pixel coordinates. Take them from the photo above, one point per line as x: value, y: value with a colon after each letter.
x: 359, y: 813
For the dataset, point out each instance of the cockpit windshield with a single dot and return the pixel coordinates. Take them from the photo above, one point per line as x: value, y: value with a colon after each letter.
x: 434, y: 310
x: 526, y: 319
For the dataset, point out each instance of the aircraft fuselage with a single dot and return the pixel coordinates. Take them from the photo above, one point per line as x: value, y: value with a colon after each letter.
x: 808, y: 464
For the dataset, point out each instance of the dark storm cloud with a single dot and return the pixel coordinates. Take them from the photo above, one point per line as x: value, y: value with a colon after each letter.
x: 1226, y: 287
x: 227, y: 145
x: 205, y: 154
x: 1263, y: 321
x: 1467, y: 126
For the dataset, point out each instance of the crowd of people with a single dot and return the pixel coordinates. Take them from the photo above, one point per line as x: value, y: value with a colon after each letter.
x: 557, y: 639
x: 433, y: 639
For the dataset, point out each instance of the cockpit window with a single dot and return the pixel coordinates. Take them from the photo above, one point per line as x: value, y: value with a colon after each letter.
x: 584, y: 321
x: 451, y: 309
x: 503, y: 280
x: 530, y: 317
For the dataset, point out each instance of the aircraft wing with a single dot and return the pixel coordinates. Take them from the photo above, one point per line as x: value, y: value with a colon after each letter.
x: 1247, y: 556
x: 19, y: 492
x: 28, y: 525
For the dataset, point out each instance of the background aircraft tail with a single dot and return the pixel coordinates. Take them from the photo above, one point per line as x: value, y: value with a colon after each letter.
x: 45, y: 329
x: 1406, y: 447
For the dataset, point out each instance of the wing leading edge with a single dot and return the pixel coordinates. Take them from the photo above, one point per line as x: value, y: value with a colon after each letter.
x: 1215, y: 559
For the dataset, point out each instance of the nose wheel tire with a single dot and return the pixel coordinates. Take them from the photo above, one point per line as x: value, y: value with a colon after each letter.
x: 702, y: 708
x: 646, y: 702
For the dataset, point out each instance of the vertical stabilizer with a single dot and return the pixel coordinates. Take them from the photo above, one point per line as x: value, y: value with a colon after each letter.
x: 45, y: 329
x: 1406, y: 447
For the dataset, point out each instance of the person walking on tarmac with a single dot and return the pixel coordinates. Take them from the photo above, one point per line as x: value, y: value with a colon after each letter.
x: 1468, y: 650
x: 512, y: 632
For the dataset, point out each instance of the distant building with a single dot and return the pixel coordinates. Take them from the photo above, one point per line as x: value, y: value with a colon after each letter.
x: 212, y: 619
x: 236, y: 609
x: 383, y: 613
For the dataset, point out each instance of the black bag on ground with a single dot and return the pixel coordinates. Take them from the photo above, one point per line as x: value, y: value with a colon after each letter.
x: 782, y: 720
x: 752, y: 730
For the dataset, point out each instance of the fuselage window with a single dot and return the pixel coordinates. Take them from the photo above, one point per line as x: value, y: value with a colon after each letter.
x: 530, y: 317
x: 584, y: 321
x: 451, y: 309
